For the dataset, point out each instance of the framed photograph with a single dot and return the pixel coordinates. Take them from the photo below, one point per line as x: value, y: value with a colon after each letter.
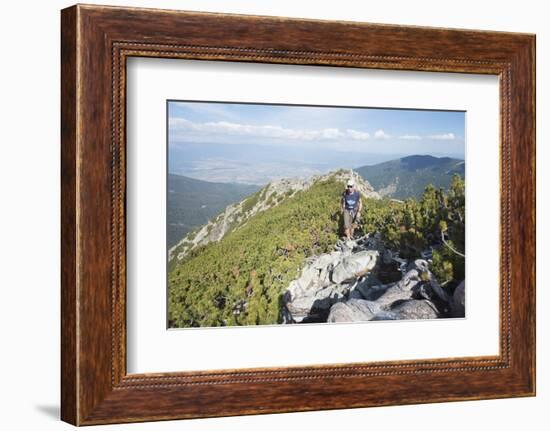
x: 258, y: 208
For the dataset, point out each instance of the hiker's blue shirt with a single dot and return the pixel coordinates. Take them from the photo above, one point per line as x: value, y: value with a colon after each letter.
x: 351, y: 200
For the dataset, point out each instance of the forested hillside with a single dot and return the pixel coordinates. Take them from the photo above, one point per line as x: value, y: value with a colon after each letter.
x: 192, y: 203
x: 408, y: 177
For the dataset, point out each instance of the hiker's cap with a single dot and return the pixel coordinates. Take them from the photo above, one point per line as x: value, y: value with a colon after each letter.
x: 351, y: 182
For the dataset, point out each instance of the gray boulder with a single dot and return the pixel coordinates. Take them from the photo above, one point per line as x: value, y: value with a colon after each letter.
x: 459, y: 300
x: 313, y: 290
x: 394, y: 301
x: 387, y: 294
x: 326, y: 280
x: 353, y: 310
x: 415, y: 309
x: 385, y: 315
x: 354, y: 266
x: 311, y: 301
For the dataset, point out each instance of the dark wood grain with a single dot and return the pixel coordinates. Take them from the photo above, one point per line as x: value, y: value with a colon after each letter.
x: 96, y: 41
x: 69, y: 369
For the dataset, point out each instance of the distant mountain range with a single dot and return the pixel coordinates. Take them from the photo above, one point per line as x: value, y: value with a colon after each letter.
x: 408, y: 176
x: 192, y: 203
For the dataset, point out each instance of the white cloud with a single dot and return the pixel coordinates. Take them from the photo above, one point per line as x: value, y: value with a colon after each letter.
x: 359, y: 136
x: 331, y: 133
x: 184, y: 129
x: 444, y: 137
x: 180, y: 125
x: 380, y: 134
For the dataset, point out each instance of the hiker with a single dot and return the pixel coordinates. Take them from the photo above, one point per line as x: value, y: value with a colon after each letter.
x: 351, y: 208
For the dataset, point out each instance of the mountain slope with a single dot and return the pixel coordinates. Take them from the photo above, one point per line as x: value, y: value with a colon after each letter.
x: 282, y: 260
x: 409, y: 176
x: 192, y: 203
x: 238, y: 276
x: 236, y: 215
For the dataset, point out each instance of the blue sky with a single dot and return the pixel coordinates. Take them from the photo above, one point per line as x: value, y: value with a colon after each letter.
x: 311, y: 139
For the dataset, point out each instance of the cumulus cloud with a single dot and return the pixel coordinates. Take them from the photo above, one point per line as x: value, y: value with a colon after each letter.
x: 444, y: 137
x: 181, y: 125
x: 410, y: 137
x: 380, y: 134
x: 359, y: 136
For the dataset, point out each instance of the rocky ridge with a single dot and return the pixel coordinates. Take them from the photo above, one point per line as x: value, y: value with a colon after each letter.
x: 236, y: 215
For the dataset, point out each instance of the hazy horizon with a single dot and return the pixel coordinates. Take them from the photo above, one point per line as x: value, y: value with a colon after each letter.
x: 257, y: 143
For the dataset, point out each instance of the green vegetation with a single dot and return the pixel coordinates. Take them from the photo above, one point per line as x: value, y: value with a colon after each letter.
x: 240, y: 279
x: 250, y: 202
x: 409, y: 176
x: 254, y: 264
x: 412, y: 226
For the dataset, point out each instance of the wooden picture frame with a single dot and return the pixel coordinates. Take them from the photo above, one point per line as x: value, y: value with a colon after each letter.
x: 95, y: 43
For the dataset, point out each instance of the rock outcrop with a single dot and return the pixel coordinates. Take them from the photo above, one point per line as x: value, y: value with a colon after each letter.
x: 345, y: 286
x: 324, y: 281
